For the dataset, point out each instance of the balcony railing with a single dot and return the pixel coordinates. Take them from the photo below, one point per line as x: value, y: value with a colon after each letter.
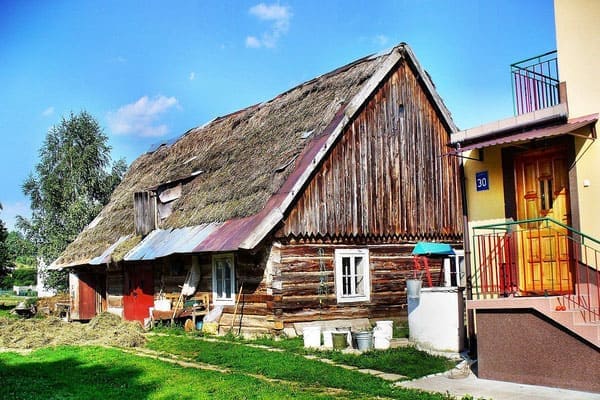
x: 538, y: 257
x: 535, y: 83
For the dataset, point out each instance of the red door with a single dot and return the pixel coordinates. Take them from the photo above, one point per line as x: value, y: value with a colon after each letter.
x: 139, y: 292
x: 91, y: 292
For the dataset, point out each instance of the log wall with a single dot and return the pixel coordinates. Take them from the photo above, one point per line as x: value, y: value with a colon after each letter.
x: 387, y: 175
x: 297, y: 278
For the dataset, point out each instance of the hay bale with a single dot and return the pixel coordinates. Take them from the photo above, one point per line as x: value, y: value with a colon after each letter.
x: 105, y: 329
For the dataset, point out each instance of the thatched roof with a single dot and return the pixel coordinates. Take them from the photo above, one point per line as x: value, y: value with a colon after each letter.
x: 233, y: 165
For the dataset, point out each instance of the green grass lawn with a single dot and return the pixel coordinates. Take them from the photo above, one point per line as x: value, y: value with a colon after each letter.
x: 287, y: 365
x: 84, y: 372
x: 95, y: 372
x: 407, y: 361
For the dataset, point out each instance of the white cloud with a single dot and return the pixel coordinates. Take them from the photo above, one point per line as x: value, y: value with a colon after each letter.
x: 141, y: 118
x: 252, y: 42
x: 9, y: 213
x: 48, y: 111
x: 279, y: 16
x: 192, y: 76
x: 380, y: 40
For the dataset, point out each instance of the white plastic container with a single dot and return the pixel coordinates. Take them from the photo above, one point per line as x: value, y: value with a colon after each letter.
x: 162, y: 305
x: 382, y: 335
x: 386, y: 328
x: 312, y: 336
x: 327, y: 339
x: 380, y: 342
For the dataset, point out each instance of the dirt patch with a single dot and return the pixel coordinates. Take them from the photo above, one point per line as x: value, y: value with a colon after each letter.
x: 105, y: 329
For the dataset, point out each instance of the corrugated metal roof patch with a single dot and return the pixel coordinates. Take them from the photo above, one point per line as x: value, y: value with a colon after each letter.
x: 105, y: 257
x: 161, y: 243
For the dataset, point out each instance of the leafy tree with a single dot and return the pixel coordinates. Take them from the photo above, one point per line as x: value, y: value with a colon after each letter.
x: 21, y: 250
x: 6, y: 264
x: 73, y: 180
x: 24, y: 276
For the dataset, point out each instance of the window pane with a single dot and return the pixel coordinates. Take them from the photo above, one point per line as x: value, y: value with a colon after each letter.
x: 219, y: 279
x: 227, y: 271
x: 346, y: 276
x: 223, y: 277
x: 359, y: 282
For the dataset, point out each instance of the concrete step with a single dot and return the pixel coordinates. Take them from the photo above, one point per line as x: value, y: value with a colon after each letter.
x: 591, y: 332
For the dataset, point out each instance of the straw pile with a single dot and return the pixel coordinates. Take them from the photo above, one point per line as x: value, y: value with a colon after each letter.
x: 105, y: 329
x: 235, y: 163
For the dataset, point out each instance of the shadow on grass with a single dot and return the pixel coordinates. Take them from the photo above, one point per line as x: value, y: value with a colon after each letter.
x: 68, y: 374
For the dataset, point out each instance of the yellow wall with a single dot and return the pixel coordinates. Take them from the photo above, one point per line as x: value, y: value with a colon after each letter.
x: 578, y: 45
x: 486, y: 204
x: 485, y: 207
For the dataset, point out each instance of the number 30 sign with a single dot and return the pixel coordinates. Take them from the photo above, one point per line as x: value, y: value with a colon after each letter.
x: 481, y: 181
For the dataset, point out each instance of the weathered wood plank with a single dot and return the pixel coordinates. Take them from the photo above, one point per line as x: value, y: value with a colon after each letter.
x: 387, y: 174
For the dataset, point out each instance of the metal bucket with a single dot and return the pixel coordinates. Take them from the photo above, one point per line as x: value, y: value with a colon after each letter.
x: 364, y: 340
x: 413, y: 288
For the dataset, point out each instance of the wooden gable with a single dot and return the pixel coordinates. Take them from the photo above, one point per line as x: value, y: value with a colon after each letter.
x: 387, y: 175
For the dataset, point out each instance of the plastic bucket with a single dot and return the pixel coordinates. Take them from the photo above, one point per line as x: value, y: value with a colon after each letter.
x: 199, y: 325
x: 312, y: 336
x: 327, y: 339
x: 381, y: 342
x: 340, y: 340
x: 386, y: 328
x: 413, y: 288
x: 364, y: 340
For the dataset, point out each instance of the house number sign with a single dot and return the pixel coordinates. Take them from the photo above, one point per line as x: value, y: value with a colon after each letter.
x: 482, y: 181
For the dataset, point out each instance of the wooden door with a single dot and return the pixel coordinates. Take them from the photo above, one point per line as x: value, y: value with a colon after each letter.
x: 542, y: 188
x: 139, y: 292
x: 91, y: 293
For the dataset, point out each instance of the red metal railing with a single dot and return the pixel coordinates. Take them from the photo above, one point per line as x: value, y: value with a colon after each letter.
x: 535, y: 83
x: 538, y: 257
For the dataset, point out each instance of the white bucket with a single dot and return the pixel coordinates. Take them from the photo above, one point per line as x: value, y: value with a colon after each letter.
x: 312, y: 336
x: 381, y: 342
x: 386, y: 328
x: 327, y: 339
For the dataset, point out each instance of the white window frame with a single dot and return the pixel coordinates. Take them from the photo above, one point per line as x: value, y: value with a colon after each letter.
x: 217, y: 299
x: 454, y: 265
x: 340, y: 254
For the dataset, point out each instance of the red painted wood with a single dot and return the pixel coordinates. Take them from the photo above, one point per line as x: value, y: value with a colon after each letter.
x: 87, y: 296
x: 139, y: 292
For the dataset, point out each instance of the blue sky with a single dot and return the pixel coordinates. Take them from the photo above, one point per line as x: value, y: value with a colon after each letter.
x: 151, y: 70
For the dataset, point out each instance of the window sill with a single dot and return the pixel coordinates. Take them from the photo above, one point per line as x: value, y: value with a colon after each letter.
x: 352, y: 299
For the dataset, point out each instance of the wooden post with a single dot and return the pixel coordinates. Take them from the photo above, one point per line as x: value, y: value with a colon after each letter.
x: 236, y: 306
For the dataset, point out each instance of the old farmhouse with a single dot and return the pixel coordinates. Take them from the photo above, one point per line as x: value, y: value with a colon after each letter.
x: 302, y: 208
